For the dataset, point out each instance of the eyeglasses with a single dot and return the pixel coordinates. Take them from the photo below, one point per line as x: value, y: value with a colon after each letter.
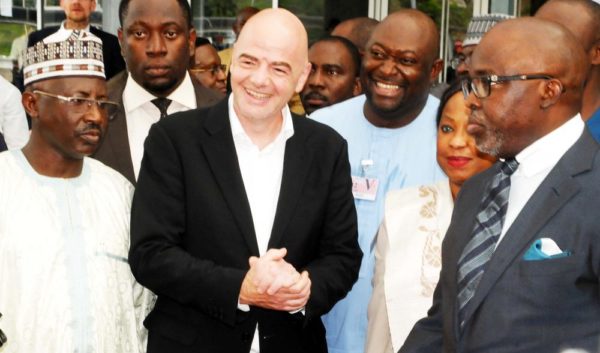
x: 481, y: 85
x: 81, y: 104
x: 213, y: 69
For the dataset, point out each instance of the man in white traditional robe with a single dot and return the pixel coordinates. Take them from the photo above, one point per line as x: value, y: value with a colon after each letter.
x: 65, y: 282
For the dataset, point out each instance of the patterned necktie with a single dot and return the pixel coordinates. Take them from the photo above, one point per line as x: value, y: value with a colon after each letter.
x: 162, y: 104
x: 486, y: 232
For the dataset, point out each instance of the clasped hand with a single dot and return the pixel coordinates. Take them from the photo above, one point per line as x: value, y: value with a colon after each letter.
x: 273, y: 283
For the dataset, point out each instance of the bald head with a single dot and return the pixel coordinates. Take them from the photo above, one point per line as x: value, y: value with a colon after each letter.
x: 268, y: 66
x: 412, y: 22
x: 260, y: 29
x: 357, y: 30
x: 548, y: 48
x: 399, y: 65
x: 581, y: 17
x: 539, y: 83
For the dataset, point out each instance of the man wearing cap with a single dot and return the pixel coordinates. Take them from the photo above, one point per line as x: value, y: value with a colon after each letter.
x: 478, y: 26
x: 64, y: 218
x: 157, y: 38
x: 78, y: 14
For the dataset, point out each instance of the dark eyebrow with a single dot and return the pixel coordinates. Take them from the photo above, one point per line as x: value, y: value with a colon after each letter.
x: 332, y: 66
x: 145, y: 24
x: 388, y: 50
x: 446, y: 116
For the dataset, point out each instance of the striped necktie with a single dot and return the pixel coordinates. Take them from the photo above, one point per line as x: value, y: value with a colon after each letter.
x: 162, y: 104
x: 487, y: 230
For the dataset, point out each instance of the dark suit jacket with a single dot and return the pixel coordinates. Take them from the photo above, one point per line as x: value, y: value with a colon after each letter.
x: 111, y: 50
x: 2, y: 143
x: 114, y: 150
x: 526, y: 306
x: 192, y: 235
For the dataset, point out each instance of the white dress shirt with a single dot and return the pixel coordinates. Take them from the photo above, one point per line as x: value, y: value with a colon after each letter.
x: 535, y: 163
x: 262, y: 170
x: 141, y: 113
x: 63, y: 28
x: 13, y: 122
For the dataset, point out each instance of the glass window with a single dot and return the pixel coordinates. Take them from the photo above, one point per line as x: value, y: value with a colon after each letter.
x: 13, y: 35
x: 214, y: 19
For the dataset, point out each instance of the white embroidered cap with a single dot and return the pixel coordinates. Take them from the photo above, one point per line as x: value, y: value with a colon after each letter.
x: 479, y: 26
x: 63, y: 54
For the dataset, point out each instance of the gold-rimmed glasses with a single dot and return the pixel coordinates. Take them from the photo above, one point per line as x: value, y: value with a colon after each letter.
x: 81, y: 104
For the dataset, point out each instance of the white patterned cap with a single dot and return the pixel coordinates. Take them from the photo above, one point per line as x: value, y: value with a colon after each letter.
x: 65, y: 53
x: 479, y: 26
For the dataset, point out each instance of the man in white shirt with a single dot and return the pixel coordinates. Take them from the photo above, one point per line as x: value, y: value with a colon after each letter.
x: 157, y: 38
x: 520, y: 261
x: 13, y: 122
x: 64, y: 218
x: 78, y: 14
x: 243, y: 221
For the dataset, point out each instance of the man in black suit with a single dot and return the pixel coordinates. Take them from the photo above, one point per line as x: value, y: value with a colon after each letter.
x: 243, y: 221
x: 157, y: 38
x: 537, y: 288
x: 78, y: 13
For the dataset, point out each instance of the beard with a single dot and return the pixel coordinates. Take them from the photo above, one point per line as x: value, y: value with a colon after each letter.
x: 490, y: 142
x: 488, y: 139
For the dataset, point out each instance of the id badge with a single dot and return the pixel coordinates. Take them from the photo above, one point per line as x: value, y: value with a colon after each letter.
x: 365, y: 188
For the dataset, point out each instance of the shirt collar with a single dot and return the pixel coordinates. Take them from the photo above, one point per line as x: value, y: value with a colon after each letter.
x: 544, y: 153
x: 134, y: 95
x: 238, y: 132
x: 62, y: 27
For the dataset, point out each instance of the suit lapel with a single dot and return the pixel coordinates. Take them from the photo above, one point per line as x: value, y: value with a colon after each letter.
x: 220, y: 153
x: 556, y: 189
x: 117, y: 138
x: 463, y: 228
x: 295, y: 168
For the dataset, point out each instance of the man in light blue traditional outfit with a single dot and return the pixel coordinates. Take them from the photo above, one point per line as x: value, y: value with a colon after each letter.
x: 65, y: 284
x: 391, y: 134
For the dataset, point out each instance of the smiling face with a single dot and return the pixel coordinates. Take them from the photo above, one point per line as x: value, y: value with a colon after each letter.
x: 399, y: 66
x: 267, y: 67
x: 457, y: 153
x: 156, y: 43
x: 332, y: 77
x: 67, y: 130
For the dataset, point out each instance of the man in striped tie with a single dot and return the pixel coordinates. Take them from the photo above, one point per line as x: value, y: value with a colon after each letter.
x: 521, y: 259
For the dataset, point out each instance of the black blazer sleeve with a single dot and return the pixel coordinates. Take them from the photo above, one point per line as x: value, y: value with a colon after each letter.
x: 159, y: 257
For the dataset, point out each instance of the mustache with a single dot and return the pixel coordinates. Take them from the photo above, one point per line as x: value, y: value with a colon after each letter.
x: 476, y: 118
x: 315, y: 95
x: 90, y: 127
